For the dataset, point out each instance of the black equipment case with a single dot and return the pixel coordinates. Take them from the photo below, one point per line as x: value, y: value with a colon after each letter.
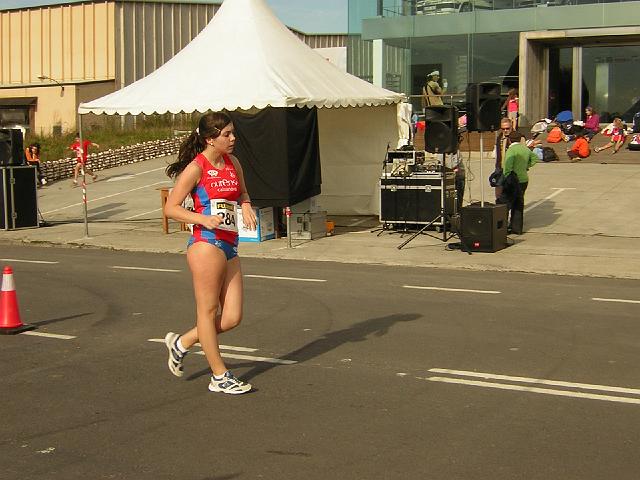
x: 18, y: 197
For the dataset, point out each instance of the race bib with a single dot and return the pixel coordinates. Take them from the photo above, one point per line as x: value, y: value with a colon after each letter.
x: 228, y: 211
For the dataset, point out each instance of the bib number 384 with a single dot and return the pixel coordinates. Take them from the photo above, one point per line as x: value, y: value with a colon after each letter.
x: 227, y: 211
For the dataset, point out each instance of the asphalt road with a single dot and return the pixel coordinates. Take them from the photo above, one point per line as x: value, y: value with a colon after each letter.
x: 356, y: 375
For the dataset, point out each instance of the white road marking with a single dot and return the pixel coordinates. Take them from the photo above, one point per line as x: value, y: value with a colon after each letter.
x: 222, y: 347
x: 238, y: 356
x: 548, y: 197
x: 120, y: 267
x: 27, y: 261
x: 619, y: 300
x: 453, y: 289
x: 541, y: 381
x: 120, y: 177
x: 107, y: 196
x: 49, y: 335
x: 286, y: 278
x: 545, y: 391
x: 231, y: 347
x: 144, y: 213
x: 254, y: 359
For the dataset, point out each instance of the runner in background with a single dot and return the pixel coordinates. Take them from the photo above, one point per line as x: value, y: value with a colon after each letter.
x: 206, y: 170
x: 82, y: 152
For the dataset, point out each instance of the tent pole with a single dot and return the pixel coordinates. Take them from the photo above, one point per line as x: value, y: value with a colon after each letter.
x: 84, y: 181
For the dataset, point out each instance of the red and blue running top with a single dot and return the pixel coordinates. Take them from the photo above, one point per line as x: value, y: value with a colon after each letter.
x: 215, y: 184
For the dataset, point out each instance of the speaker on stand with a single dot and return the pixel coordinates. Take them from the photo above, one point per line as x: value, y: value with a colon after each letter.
x: 441, y: 129
x: 483, y: 107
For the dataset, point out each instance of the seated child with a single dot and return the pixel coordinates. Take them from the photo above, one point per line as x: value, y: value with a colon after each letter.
x: 580, y: 148
x: 617, y: 137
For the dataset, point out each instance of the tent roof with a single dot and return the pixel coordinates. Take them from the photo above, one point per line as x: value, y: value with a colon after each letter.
x: 244, y: 58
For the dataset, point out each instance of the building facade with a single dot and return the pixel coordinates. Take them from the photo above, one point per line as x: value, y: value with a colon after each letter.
x: 560, y: 54
x: 54, y: 57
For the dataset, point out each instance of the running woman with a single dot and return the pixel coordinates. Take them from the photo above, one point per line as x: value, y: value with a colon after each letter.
x: 206, y: 170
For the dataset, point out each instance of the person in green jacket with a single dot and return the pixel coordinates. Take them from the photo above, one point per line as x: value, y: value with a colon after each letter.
x: 518, y: 159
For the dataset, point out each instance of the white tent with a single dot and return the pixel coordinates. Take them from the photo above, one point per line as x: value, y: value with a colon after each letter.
x: 246, y: 59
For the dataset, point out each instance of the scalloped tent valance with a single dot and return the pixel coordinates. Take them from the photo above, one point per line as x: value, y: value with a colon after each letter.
x: 244, y: 58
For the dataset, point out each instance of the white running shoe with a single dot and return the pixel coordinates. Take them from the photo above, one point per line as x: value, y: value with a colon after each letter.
x: 229, y: 384
x: 175, y: 355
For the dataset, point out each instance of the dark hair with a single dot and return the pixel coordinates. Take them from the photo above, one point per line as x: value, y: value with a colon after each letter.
x: 209, y: 126
x: 590, y: 108
x: 515, y: 136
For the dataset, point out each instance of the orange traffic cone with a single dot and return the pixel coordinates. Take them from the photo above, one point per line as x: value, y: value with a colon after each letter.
x: 9, y: 314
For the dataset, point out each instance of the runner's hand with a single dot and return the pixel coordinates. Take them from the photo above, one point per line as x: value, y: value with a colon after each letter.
x: 211, y: 222
x: 249, y: 217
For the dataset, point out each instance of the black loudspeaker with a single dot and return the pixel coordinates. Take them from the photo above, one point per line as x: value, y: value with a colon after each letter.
x: 483, y: 107
x: 483, y: 229
x: 18, y: 197
x: 441, y: 129
x: 11, y: 147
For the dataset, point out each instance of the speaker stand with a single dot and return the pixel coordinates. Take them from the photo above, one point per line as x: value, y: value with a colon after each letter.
x: 443, y: 215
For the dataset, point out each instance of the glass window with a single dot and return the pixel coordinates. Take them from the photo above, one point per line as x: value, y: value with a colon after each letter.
x: 494, y: 58
x: 610, y: 76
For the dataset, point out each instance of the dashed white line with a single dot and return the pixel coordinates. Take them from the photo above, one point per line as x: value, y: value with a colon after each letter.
x: 49, y: 335
x: 222, y: 347
x: 618, y: 300
x: 466, y: 290
x: 286, y: 278
x: 544, y: 391
x: 17, y: 260
x: 120, y: 267
x: 540, y: 381
x: 237, y: 356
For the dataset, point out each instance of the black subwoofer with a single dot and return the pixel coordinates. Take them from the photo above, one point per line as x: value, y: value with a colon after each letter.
x: 18, y: 198
x: 484, y: 229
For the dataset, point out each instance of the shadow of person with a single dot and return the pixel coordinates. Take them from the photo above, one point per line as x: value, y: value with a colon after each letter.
x: 358, y: 332
x: 543, y: 215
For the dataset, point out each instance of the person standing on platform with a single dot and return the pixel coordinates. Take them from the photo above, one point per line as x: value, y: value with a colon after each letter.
x: 432, y: 91
x: 518, y: 160
x: 82, y: 151
x: 206, y: 170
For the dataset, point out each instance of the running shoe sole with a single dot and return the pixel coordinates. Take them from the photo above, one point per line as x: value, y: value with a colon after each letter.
x: 170, y: 341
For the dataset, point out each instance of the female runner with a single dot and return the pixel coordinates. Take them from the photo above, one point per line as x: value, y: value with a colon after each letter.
x: 206, y: 170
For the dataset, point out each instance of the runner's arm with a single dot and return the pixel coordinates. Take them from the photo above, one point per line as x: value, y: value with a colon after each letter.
x: 185, y: 183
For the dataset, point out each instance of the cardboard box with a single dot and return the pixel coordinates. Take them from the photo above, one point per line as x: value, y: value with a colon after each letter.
x: 265, y: 229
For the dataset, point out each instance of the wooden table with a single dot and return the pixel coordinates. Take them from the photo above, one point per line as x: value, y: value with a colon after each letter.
x: 164, y: 194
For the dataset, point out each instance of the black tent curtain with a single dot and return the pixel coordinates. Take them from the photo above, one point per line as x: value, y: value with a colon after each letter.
x: 280, y: 154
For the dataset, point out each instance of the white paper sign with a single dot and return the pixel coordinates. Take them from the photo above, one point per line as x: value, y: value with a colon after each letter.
x: 228, y: 211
